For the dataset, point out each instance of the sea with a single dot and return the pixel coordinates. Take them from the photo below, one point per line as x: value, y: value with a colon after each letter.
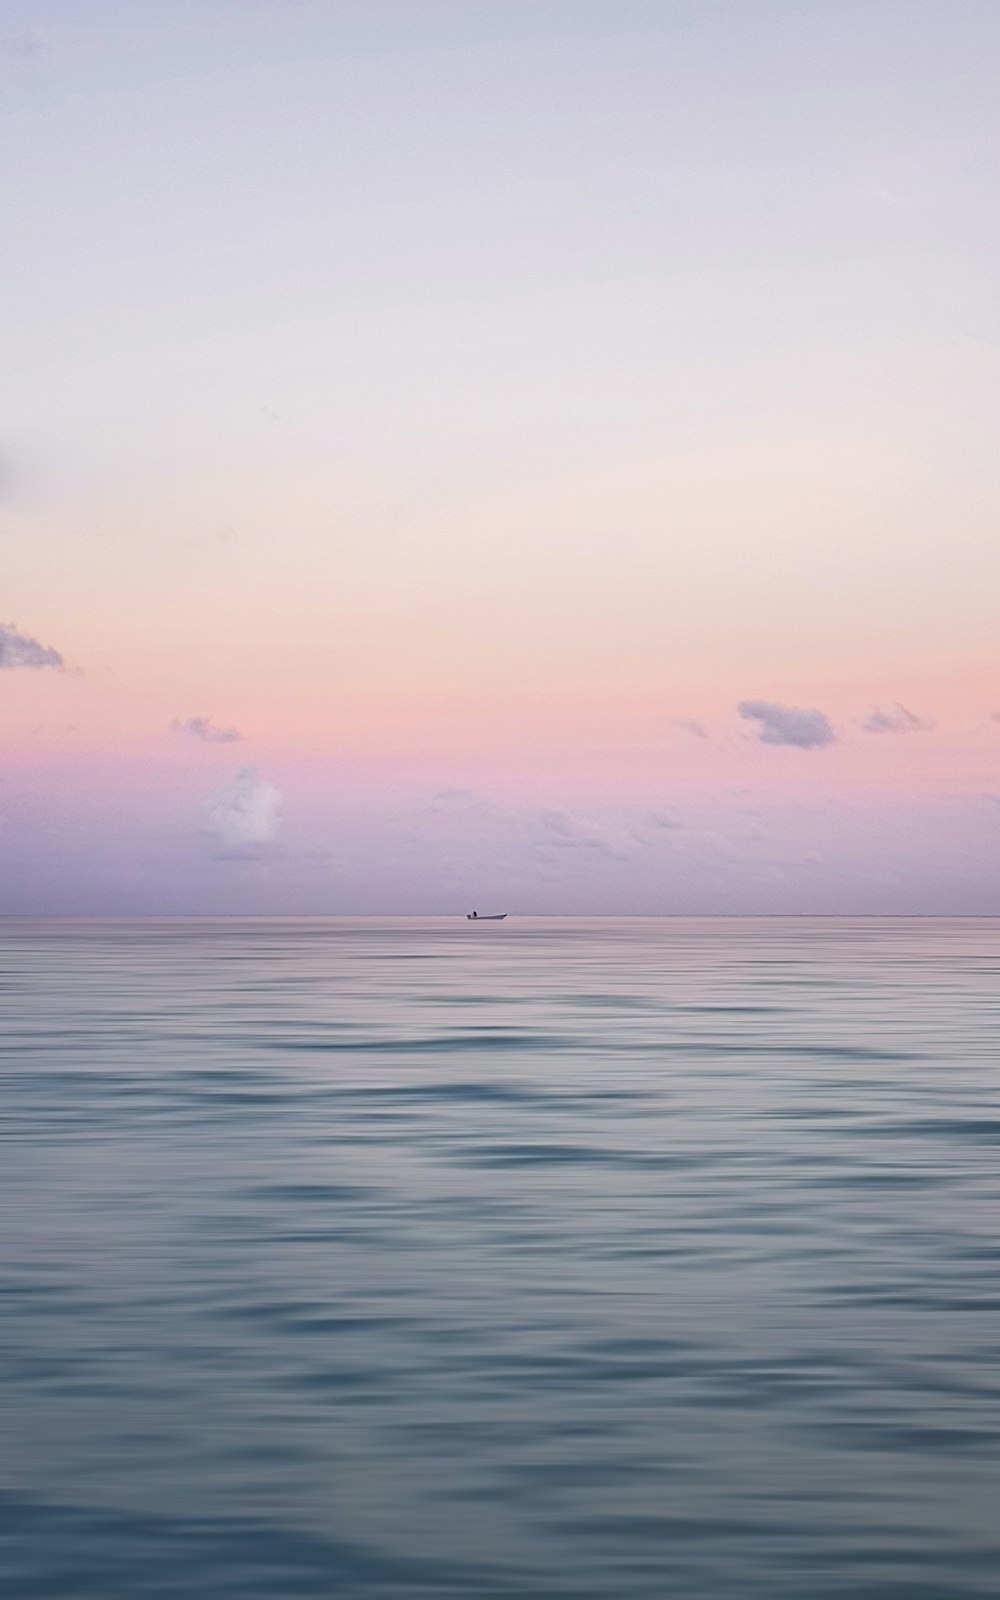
x: 611, y: 1259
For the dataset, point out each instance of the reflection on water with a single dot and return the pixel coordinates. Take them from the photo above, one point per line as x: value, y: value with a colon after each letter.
x: 588, y: 1259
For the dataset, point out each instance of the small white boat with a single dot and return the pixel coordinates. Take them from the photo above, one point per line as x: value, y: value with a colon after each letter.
x: 496, y: 916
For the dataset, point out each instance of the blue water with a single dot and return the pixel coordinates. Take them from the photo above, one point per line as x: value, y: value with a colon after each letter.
x: 618, y: 1259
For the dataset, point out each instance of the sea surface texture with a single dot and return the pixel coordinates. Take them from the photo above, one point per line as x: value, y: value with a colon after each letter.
x: 614, y: 1259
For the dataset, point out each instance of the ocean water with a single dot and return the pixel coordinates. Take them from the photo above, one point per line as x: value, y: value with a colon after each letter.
x: 620, y: 1259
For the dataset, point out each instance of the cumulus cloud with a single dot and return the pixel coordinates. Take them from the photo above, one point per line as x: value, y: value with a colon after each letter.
x: 20, y: 650
x: 805, y: 730
x: 689, y: 725
x: 205, y: 729
x: 243, y: 819
x: 895, y: 719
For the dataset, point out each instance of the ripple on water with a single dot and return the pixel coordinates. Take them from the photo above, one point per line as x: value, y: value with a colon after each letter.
x: 598, y: 1260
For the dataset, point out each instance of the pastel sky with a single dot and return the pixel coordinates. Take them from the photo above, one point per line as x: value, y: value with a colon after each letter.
x: 531, y: 454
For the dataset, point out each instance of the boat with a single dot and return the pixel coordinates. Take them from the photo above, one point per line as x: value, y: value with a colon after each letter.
x: 496, y: 916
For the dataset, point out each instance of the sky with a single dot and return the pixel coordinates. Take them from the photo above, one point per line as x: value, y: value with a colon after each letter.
x: 532, y: 455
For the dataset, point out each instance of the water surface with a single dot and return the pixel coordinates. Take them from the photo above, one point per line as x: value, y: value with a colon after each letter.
x: 619, y: 1259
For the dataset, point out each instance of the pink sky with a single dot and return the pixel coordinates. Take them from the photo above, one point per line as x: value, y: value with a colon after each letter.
x: 458, y: 404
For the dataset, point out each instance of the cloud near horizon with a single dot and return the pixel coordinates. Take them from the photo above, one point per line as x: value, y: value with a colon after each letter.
x: 896, y: 719
x: 205, y: 729
x: 551, y: 830
x: 789, y: 725
x: 243, y: 819
x: 19, y: 649
x: 562, y: 830
x: 21, y: 46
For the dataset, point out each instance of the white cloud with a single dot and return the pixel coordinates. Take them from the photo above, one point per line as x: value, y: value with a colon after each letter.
x: 20, y: 650
x: 689, y: 725
x: 244, y: 818
x: 895, y: 719
x: 205, y: 729
x: 790, y: 725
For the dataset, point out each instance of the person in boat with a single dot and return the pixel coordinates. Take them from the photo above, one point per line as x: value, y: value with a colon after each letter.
x: 475, y: 915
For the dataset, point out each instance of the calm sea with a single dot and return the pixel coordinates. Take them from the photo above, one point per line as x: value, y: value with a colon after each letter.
x: 623, y: 1259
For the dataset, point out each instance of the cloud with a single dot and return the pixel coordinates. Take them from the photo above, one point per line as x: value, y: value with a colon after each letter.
x: 663, y: 819
x: 895, y: 199
x: 244, y: 818
x: 20, y: 650
x: 562, y: 831
x: 204, y: 728
x: 459, y: 802
x: 689, y: 725
x: 895, y: 719
x: 805, y: 730
x: 546, y: 836
x: 19, y: 46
